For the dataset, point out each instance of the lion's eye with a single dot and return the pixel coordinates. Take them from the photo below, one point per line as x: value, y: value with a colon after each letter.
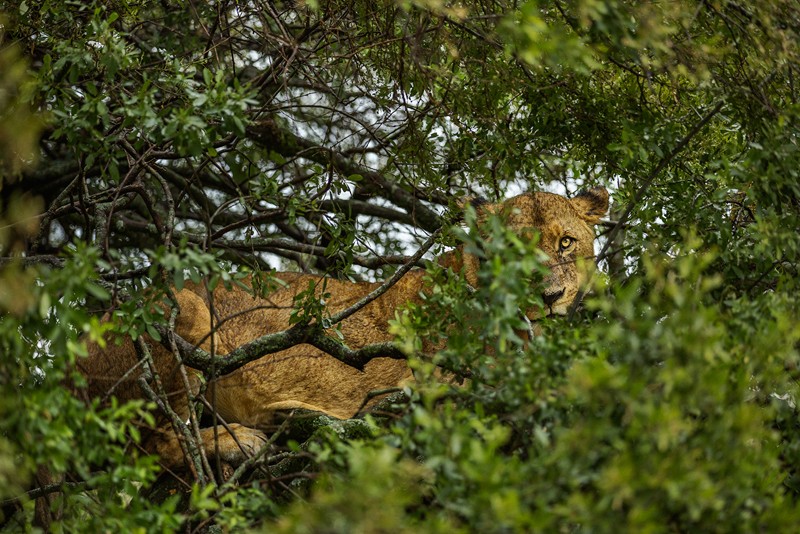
x: 566, y: 242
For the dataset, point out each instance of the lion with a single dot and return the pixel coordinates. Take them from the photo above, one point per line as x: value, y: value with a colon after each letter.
x: 304, y: 377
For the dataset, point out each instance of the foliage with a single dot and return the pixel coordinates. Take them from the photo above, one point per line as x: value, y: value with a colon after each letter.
x: 144, y: 144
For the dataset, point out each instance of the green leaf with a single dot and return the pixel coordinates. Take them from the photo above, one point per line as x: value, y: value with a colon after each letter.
x: 97, y: 291
x: 153, y: 333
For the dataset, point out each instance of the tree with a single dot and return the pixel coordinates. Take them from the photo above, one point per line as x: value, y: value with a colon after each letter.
x: 201, y: 140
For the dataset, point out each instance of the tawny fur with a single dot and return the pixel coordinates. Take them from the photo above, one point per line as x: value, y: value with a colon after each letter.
x: 303, y: 376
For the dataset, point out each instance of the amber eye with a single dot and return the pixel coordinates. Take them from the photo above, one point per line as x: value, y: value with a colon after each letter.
x: 566, y: 242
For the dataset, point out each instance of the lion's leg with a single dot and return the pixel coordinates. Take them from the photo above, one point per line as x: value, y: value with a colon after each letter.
x: 233, y: 447
x: 288, y: 405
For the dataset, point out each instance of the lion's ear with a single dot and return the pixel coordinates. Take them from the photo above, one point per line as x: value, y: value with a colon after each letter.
x: 591, y: 204
x: 481, y: 206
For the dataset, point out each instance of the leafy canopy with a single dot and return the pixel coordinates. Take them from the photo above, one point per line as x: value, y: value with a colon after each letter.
x: 144, y: 143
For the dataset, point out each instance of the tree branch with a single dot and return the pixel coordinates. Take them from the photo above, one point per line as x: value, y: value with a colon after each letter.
x: 312, y: 334
x: 270, y: 135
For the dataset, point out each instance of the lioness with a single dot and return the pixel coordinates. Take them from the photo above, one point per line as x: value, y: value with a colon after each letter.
x: 303, y: 376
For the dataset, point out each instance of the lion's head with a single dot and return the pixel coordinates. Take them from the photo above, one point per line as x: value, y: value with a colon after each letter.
x: 565, y: 227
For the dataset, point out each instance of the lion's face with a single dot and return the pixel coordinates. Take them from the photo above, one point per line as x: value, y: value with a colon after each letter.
x: 566, y: 236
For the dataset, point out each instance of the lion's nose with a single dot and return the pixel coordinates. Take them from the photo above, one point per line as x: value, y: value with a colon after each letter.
x: 550, y: 298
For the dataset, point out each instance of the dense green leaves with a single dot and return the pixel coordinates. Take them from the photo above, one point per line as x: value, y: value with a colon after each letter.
x: 206, y: 141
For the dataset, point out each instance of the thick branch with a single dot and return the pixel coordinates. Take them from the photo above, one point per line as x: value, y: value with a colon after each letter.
x: 271, y: 343
x: 312, y: 334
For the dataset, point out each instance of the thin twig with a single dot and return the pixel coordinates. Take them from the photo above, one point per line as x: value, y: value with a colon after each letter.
x: 637, y: 198
x: 383, y: 288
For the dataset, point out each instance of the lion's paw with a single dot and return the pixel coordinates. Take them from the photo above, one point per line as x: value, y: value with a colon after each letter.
x: 235, y: 451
